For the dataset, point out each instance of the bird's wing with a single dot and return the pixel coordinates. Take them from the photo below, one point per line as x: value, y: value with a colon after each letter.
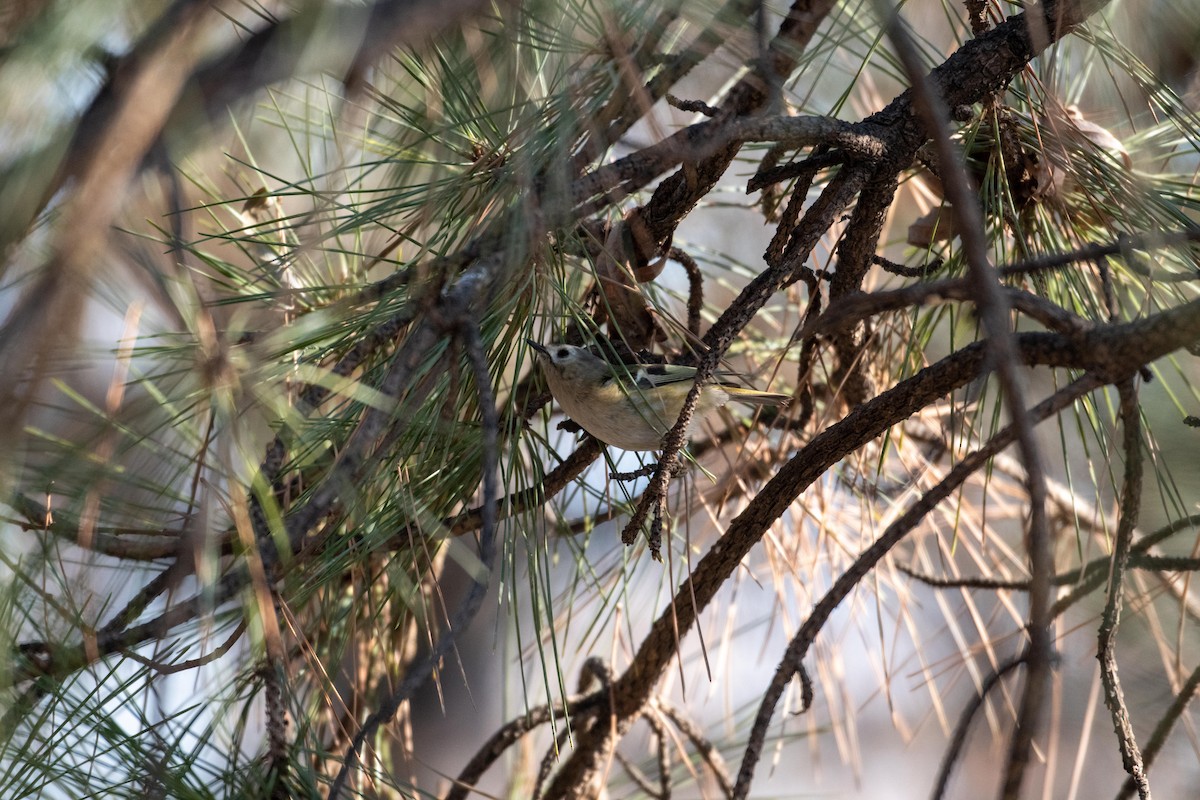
x: 648, y: 376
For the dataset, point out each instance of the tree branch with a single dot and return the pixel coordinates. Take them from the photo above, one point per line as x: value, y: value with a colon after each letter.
x: 1131, y: 500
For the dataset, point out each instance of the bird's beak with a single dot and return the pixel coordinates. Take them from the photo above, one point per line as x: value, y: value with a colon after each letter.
x: 541, y: 350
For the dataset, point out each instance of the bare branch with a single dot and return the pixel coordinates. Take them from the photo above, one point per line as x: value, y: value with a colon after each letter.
x: 1131, y: 500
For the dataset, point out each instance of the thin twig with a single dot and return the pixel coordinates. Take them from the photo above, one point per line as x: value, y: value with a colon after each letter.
x: 958, y: 738
x: 191, y: 663
x: 1131, y: 499
x: 1159, y: 737
x: 706, y: 749
x: 1124, y: 245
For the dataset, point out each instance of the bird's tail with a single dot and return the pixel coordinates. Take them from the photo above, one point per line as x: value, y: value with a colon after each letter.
x: 756, y: 398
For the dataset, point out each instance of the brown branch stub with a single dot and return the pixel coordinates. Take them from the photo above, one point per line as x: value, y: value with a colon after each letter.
x: 695, y: 302
x: 694, y: 106
x: 977, y: 16
x: 970, y: 582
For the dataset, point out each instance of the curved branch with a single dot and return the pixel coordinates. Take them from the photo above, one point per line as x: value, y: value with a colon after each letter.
x: 895, y: 532
x: 958, y: 738
x: 511, y: 733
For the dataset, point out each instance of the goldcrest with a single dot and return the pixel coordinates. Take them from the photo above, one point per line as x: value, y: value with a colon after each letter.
x: 633, y: 406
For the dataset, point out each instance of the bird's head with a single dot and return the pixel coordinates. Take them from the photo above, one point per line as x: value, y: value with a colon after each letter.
x: 566, y: 363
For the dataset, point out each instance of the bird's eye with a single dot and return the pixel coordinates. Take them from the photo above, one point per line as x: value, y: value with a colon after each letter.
x: 562, y: 353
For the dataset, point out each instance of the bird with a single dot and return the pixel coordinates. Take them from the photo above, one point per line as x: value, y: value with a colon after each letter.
x: 633, y: 406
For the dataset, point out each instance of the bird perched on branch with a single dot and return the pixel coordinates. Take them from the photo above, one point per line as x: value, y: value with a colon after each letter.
x: 633, y: 406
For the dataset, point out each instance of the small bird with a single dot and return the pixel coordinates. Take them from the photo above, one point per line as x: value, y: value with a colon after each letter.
x: 633, y: 406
